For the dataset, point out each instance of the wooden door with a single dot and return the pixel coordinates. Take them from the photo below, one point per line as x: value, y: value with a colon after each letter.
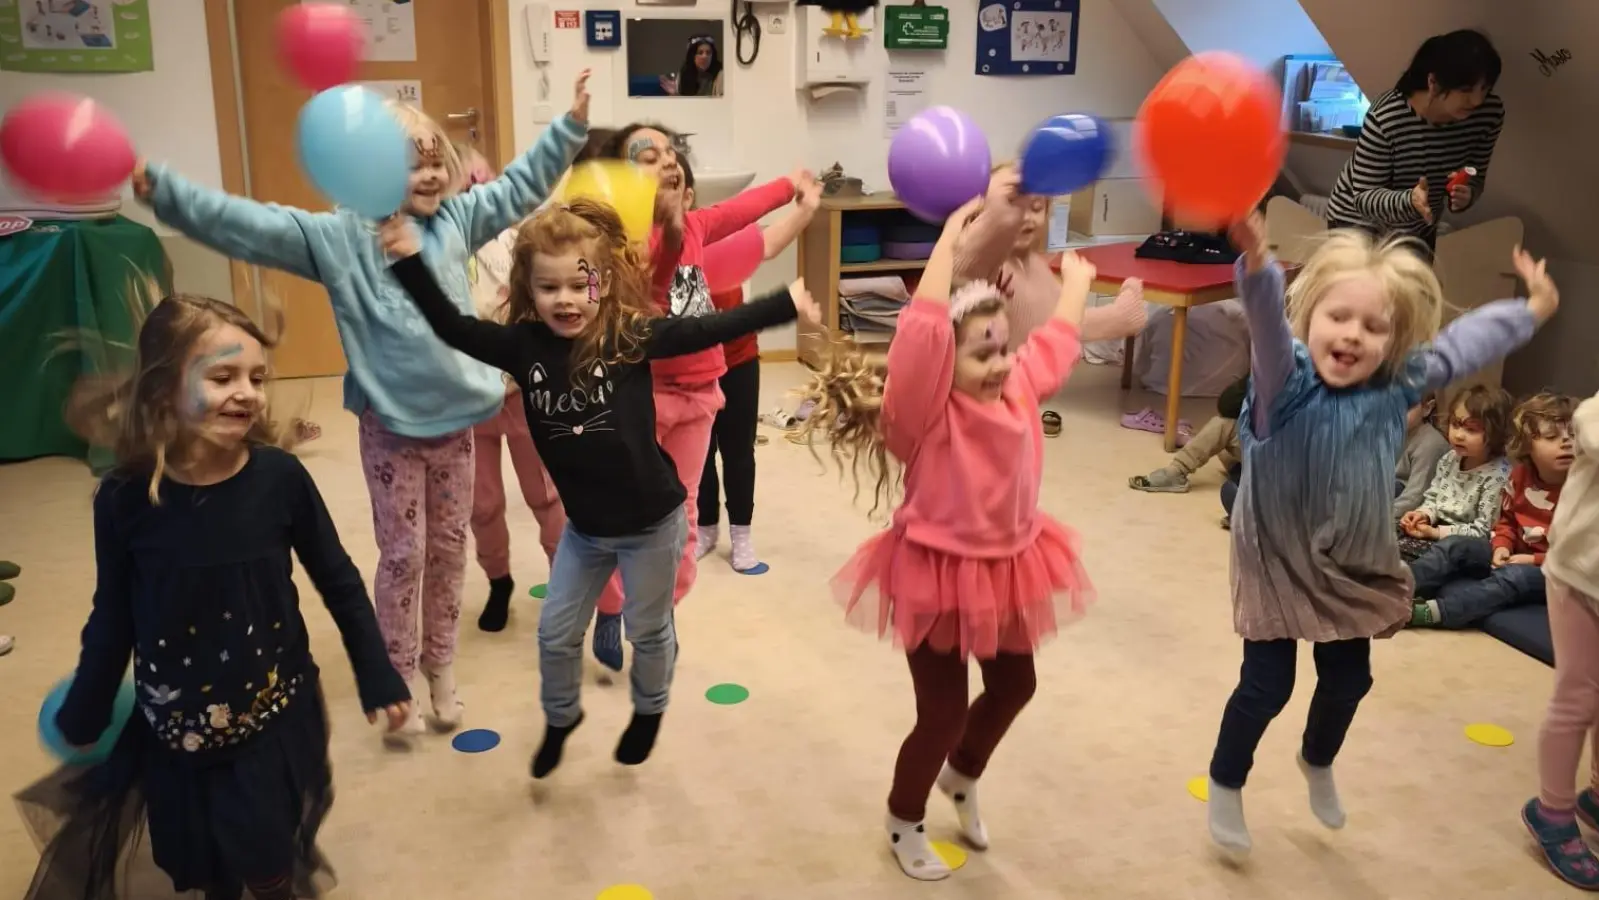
x: 456, y: 52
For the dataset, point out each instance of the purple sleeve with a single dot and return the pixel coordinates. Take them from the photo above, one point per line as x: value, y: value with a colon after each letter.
x: 1271, y: 343
x: 1476, y: 339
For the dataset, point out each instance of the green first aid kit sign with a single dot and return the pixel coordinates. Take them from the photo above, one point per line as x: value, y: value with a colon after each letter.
x: 915, y: 27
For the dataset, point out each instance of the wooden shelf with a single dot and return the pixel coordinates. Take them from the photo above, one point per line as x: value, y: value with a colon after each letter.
x: 1330, y: 141
x: 819, y: 247
x: 883, y: 265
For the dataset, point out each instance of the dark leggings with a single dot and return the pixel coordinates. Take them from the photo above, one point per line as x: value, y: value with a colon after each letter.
x: 1343, y: 676
x: 946, y: 729
x: 281, y: 889
x: 733, y: 436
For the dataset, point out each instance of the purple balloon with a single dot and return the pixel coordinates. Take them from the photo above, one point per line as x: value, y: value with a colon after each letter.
x: 938, y: 161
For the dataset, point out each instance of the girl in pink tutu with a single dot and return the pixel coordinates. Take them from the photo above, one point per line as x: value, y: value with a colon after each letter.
x: 969, y: 568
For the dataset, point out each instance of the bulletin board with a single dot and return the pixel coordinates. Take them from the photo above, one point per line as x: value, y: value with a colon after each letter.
x: 75, y: 36
x: 1027, y: 37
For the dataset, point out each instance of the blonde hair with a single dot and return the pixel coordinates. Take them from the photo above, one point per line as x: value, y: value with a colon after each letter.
x: 1415, y: 297
x: 617, y: 332
x: 846, y: 394
x: 418, y: 124
x: 1530, y: 417
x: 130, y: 406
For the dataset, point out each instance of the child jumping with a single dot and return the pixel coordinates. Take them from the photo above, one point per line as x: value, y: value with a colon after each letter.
x: 733, y: 434
x: 1571, y: 578
x: 1464, y: 496
x: 225, y: 761
x: 1463, y: 580
x: 581, y: 336
x: 1314, y: 556
x: 417, y: 399
x: 970, y: 567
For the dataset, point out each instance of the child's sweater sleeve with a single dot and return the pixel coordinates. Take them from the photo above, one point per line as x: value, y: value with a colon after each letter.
x: 921, y: 373
x: 1048, y: 356
x: 720, y: 221
x: 488, y: 209
x: 1476, y: 339
x: 247, y: 230
x: 316, y: 543
x: 109, y: 634
x: 1271, y: 341
x: 986, y: 243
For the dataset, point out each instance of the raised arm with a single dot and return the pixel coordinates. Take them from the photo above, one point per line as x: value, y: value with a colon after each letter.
x: 1049, y: 354
x: 788, y: 228
x: 987, y: 242
x: 108, y: 636
x: 488, y: 342
x: 488, y: 209
x: 262, y: 233
x: 316, y: 543
x: 1493, y: 330
x: 1371, y: 173
x: 678, y: 335
x: 1271, y: 341
x: 721, y: 220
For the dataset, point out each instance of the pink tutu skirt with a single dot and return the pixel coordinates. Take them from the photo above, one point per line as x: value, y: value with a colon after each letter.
x: 957, y: 604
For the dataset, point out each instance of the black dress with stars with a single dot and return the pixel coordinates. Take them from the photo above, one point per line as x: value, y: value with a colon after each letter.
x: 225, y: 761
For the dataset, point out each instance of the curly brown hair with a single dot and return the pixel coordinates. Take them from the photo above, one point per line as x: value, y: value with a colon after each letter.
x: 1533, y: 415
x: 618, y: 330
x: 1490, y: 405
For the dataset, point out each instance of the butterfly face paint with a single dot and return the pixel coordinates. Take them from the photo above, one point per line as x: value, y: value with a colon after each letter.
x: 566, y: 290
x: 593, y: 276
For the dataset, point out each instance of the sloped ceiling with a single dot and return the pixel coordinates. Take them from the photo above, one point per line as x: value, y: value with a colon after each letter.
x: 1551, y: 121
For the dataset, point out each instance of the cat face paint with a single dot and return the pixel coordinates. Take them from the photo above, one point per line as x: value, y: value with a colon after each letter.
x: 983, y: 359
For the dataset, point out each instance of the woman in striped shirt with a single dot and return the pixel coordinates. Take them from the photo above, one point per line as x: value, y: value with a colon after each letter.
x: 1441, y: 118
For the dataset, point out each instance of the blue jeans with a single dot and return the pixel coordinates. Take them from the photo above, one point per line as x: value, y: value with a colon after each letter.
x: 1458, y: 572
x: 582, y: 565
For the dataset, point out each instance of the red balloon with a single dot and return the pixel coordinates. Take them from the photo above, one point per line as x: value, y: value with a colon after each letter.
x: 1211, y: 135
x: 321, y: 43
x: 732, y: 260
x: 65, y: 148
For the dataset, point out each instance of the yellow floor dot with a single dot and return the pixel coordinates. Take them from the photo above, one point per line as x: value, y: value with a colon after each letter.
x: 953, y: 856
x: 1199, y: 787
x: 1489, y: 735
x: 625, y: 892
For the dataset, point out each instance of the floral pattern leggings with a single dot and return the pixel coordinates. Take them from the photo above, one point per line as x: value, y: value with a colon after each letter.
x: 421, y: 492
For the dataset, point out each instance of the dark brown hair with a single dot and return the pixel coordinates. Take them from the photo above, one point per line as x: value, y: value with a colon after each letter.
x: 1532, y: 415
x: 1489, y: 405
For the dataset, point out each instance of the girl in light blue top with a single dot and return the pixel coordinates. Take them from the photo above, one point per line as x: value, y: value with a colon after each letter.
x: 417, y: 399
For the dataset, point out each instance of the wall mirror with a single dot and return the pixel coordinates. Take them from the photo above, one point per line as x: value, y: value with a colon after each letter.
x: 674, y: 57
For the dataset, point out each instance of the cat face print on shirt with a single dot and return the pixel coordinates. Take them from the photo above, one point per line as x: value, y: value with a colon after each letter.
x: 690, y: 294
x: 570, y: 410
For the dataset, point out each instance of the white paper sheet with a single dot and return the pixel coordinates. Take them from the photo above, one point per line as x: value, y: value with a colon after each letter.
x: 390, y: 28
x: 906, y: 96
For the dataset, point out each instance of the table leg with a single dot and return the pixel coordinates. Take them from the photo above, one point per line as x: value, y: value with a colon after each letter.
x: 1127, y: 362
x: 1174, y: 376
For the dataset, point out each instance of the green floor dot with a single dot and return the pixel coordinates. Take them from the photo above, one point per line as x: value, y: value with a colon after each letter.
x: 727, y: 694
x: 538, y: 591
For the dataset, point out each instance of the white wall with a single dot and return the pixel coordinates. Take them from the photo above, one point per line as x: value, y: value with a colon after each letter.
x: 1262, y: 31
x: 762, y: 125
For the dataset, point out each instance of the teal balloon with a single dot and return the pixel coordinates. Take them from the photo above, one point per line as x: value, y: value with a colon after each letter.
x: 1065, y: 153
x: 51, y: 736
x: 354, y: 150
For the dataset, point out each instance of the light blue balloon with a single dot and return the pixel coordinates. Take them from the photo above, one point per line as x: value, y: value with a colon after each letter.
x: 354, y: 150
x: 57, y: 744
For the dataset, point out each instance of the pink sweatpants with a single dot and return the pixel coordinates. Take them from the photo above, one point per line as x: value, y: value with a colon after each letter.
x: 684, y: 417
x: 421, y: 491
x: 1574, y: 709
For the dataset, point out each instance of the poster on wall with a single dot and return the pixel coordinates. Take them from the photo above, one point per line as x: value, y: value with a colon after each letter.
x: 75, y: 36
x: 390, y: 28
x: 1027, y: 37
x: 907, y: 97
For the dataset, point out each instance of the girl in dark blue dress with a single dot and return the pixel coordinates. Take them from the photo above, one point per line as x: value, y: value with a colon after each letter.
x: 225, y: 761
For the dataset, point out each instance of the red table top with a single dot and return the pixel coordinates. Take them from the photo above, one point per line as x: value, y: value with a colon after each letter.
x: 1116, y: 262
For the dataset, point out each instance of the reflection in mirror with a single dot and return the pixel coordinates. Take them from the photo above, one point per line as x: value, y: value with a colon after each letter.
x: 674, y: 57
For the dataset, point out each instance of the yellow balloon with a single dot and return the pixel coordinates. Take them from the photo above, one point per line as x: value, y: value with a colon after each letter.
x: 623, y: 186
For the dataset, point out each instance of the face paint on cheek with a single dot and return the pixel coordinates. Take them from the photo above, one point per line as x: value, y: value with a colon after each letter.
x: 198, y: 406
x: 593, y: 278
x: 637, y: 146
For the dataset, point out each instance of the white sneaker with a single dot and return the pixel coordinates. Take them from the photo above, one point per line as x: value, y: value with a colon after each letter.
x: 6, y: 643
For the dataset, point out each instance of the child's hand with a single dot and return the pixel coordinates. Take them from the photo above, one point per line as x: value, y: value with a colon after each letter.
x: 580, y: 98
x: 810, y: 199
x: 1076, y: 275
x: 1005, y: 186
x: 1501, y: 556
x: 1411, y: 521
x: 804, y: 304
x: 802, y: 179
x: 140, y: 180
x: 1522, y: 559
x: 960, y: 218
x: 399, y: 236
x: 396, y: 713
x: 1249, y: 236
x: 1543, y: 297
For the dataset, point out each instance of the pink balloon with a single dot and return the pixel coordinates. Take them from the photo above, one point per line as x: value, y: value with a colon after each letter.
x: 65, y: 148
x: 321, y: 43
x: 732, y: 260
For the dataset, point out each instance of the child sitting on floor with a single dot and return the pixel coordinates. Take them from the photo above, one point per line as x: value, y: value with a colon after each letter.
x: 1424, y: 447
x: 1463, y: 580
x: 1463, y: 498
x: 1216, y: 439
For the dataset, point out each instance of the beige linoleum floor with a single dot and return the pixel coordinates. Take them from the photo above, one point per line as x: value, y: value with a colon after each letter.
x: 782, y: 797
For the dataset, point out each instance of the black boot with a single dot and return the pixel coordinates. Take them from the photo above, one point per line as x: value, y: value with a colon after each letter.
x: 498, y: 607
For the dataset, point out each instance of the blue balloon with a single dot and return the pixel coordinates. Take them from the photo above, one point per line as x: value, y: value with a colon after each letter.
x: 1065, y: 153
x: 51, y: 736
x: 354, y: 150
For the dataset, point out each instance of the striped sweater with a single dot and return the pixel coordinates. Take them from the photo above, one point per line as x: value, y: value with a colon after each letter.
x: 1398, y: 148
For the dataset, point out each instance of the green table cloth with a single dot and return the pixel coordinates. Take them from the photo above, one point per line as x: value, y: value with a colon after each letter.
x: 57, y: 279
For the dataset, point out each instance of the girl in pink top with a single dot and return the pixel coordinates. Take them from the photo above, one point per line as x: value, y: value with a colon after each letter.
x: 970, y: 567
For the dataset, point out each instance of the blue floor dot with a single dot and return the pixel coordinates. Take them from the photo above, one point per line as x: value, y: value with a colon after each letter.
x: 757, y: 569
x: 477, y: 740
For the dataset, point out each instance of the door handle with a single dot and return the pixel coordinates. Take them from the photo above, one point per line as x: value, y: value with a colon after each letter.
x: 469, y: 117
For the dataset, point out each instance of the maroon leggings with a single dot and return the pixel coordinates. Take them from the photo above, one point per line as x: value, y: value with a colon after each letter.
x: 946, y: 729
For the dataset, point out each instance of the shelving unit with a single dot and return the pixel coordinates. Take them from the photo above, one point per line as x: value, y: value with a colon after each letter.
x: 819, y: 248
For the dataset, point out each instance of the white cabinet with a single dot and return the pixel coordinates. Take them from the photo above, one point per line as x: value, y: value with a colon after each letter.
x: 822, y: 59
x: 1115, y: 206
